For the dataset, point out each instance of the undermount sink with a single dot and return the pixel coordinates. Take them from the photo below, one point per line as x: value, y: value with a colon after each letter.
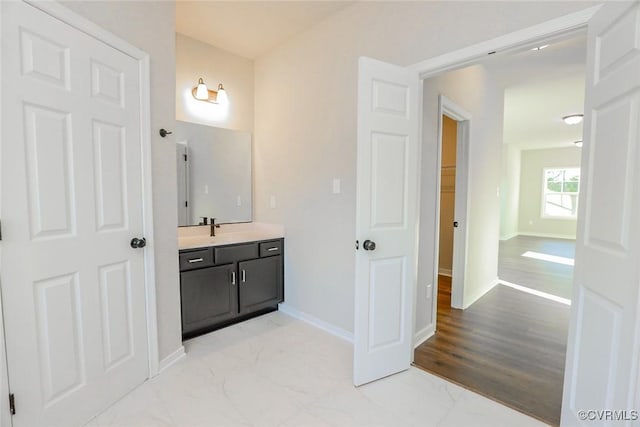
x: 225, y: 238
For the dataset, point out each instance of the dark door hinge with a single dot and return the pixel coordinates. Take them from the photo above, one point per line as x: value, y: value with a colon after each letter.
x: 0, y: 230
x: 186, y: 204
x: 185, y: 157
x: 455, y: 224
x: 12, y: 404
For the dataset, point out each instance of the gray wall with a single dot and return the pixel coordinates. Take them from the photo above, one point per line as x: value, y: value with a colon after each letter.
x: 531, y: 187
x: 305, y: 127
x: 509, y: 191
x: 195, y: 59
x: 150, y: 26
x: 473, y: 89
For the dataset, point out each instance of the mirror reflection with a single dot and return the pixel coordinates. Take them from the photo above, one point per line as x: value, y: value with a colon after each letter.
x: 214, y: 174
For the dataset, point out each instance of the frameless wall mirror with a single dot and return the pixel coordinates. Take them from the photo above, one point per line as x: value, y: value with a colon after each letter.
x: 214, y: 174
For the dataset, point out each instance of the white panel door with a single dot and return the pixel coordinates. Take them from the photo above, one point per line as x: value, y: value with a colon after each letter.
x: 602, y: 358
x: 73, y: 289
x: 387, y: 196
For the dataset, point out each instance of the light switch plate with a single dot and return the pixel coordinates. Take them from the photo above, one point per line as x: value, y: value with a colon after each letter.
x: 336, y: 186
x: 272, y: 202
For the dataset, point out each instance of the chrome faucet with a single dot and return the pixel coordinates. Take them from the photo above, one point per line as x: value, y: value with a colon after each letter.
x: 213, y: 227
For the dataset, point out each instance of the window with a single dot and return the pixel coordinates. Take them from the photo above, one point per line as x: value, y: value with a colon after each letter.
x: 560, y: 195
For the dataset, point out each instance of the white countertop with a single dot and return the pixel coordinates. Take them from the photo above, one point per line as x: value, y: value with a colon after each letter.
x: 227, y: 234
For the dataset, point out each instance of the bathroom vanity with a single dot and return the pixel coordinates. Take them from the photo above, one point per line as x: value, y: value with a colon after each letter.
x: 229, y: 278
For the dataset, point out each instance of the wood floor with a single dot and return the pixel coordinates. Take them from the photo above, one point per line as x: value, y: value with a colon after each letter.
x: 509, y: 346
x: 545, y: 276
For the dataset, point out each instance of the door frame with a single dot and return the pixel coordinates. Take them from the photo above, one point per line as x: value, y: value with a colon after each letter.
x: 460, y: 58
x: 461, y: 209
x: 90, y: 28
x: 185, y: 146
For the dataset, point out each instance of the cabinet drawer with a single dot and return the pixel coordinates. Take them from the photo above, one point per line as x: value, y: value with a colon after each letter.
x: 235, y: 253
x: 270, y: 248
x: 196, y: 259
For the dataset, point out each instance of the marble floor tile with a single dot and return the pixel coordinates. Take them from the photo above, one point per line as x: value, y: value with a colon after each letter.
x: 278, y: 371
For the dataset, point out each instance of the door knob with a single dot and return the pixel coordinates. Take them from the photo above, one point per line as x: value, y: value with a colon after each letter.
x: 138, y: 243
x: 369, y: 245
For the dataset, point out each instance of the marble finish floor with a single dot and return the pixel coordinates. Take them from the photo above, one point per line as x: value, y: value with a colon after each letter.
x: 278, y: 371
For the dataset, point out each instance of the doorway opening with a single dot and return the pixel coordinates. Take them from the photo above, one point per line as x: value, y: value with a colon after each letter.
x: 493, y: 337
x: 447, y: 195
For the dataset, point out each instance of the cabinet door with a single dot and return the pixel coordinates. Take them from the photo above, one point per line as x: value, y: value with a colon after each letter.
x: 261, y: 283
x: 208, y: 296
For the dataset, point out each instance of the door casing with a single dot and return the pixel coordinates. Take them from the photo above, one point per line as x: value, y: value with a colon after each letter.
x: 461, y: 209
x: 82, y: 24
x: 473, y: 54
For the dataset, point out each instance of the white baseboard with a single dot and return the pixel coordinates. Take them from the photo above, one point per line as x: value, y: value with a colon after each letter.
x: 314, y: 321
x: 445, y: 272
x: 171, y: 359
x: 508, y: 236
x: 549, y: 235
x: 480, y: 293
x: 422, y: 335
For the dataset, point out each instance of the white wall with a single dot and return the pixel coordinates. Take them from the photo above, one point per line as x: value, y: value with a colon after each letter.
x: 531, y: 221
x: 150, y: 26
x: 195, y: 59
x: 305, y: 127
x: 509, y: 191
x: 473, y: 89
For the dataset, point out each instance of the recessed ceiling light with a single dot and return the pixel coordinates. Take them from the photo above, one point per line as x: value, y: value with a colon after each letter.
x: 578, y: 143
x: 573, y: 119
x: 540, y: 47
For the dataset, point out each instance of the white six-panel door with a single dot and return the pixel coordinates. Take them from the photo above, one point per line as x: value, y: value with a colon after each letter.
x: 387, y: 200
x: 73, y: 289
x: 602, y: 360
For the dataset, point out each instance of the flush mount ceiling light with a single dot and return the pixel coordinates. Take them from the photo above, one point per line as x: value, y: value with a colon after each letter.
x: 202, y: 93
x: 538, y: 48
x: 578, y: 143
x: 573, y: 119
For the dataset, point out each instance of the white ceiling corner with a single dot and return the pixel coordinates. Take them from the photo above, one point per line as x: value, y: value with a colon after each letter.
x: 250, y: 28
x: 540, y: 88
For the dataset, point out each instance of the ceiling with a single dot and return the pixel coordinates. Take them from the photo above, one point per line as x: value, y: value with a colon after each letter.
x: 250, y: 28
x: 540, y: 88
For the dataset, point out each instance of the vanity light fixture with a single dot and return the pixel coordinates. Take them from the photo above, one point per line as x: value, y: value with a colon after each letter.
x: 578, y: 143
x: 573, y: 119
x: 202, y: 93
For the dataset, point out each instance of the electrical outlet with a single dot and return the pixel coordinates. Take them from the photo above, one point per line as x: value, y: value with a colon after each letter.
x: 336, y: 186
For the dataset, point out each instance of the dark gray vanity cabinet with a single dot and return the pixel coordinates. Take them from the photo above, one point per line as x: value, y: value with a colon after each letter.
x: 208, y: 297
x: 260, y: 283
x: 226, y: 284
